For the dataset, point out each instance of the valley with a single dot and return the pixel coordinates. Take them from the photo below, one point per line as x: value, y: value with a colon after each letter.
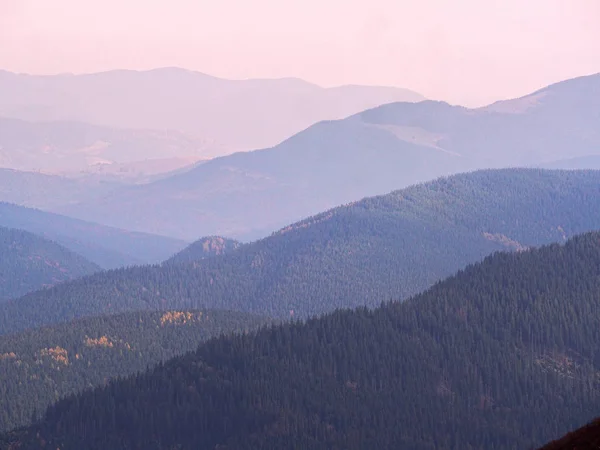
x: 108, y: 247
x: 479, y: 360
x: 299, y: 225
x: 249, y: 195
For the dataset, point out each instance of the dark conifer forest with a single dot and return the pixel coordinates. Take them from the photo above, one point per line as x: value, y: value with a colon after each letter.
x: 299, y: 225
x: 39, y: 366
x: 502, y: 355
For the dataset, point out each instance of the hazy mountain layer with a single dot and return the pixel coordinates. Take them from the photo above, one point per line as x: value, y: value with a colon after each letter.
x: 38, y: 190
x: 392, y: 246
x: 108, y: 247
x: 73, y: 147
x: 29, y: 262
x: 244, y: 114
x: 249, y: 195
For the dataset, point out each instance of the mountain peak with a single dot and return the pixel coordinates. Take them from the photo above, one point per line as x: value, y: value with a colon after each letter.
x: 203, y: 248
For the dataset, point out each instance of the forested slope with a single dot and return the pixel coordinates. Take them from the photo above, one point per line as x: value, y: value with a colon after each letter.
x: 40, y: 366
x: 29, y: 262
x: 391, y: 246
x: 502, y: 355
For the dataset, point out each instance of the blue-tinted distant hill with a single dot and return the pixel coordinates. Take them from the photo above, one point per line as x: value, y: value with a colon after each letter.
x: 108, y: 247
x: 249, y: 195
x: 391, y: 246
x: 29, y: 262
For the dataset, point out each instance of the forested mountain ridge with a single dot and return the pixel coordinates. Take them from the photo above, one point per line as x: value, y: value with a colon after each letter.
x: 108, y: 247
x: 29, y: 262
x: 371, y: 153
x: 40, y: 366
x: 585, y: 438
x: 503, y: 355
x: 391, y: 246
x: 204, y: 248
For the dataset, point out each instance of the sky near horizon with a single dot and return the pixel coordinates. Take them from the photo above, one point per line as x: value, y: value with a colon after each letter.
x: 469, y: 52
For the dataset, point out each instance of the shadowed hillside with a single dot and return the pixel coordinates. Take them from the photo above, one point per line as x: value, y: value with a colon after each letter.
x: 29, y: 262
x: 108, y: 247
x: 38, y: 367
x: 501, y: 356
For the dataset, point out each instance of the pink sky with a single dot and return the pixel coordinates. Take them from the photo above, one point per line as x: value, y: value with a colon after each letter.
x: 464, y: 51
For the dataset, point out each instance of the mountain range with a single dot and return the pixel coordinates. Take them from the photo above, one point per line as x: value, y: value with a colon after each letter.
x: 39, y: 190
x: 29, y: 262
x: 234, y: 114
x: 503, y: 355
x: 249, y: 195
x: 71, y: 147
x: 392, y: 246
x: 105, y: 246
x: 269, y: 264
x: 38, y: 367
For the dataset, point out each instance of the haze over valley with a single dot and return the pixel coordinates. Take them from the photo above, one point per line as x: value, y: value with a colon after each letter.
x: 371, y: 153
x: 299, y: 225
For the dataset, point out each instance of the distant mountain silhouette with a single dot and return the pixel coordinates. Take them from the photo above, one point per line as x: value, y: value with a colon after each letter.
x: 39, y: 190
x: 29, y: 262
x: 240, y: 114
x: 249, y: 195
x: 108, y: 247
x: 75, y: 147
